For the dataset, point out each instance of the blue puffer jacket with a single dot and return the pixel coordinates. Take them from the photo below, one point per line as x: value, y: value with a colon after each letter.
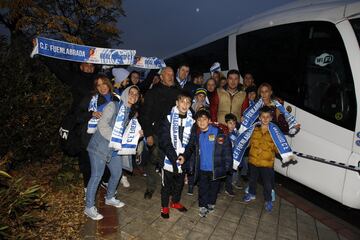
x: 222, y: 156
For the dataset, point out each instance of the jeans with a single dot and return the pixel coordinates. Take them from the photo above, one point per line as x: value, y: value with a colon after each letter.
x: 172, y: 185
x: 208, y: 189
x: 267, y: 175
x: 97, y: 170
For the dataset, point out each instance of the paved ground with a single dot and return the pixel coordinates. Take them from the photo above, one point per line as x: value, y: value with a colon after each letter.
x: 232, y: 219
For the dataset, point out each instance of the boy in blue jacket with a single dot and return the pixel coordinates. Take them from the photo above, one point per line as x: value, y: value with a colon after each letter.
x: 212, y: 161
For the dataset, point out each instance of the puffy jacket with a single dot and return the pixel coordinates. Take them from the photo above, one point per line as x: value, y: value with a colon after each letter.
x: 222, y: 156
x: 262, y: 149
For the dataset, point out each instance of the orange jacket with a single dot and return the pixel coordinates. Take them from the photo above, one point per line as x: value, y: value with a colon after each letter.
x: 262, y: 149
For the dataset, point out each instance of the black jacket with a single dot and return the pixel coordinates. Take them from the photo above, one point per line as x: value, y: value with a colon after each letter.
x: 157, y: 104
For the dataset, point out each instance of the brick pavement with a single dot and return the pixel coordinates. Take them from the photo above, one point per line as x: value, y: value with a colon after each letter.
x: 232, y: 219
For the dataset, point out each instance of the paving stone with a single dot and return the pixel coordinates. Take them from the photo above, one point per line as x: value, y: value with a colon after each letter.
x: 150, y: 233
x: 227, y: 225
x: 248, y: 230
x: 210, y: 219
x: 194, y: 235
x: 222, y: 233
x: 135, y: 227
x: 287, y: 233
x: 232, y: 216
x: 242, y: 237
x: 204, y: 228
x: 325, y: 233
x: 163, y: 225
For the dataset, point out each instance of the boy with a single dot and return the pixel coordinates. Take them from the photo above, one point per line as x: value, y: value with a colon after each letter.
x: 174, y: 135
x: 200, y: 99
x: 261, y: 158
x: 231, y: 121
x: 213, y: 159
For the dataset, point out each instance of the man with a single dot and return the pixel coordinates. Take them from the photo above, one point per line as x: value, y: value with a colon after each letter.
x: 229, y: 100
x: 183, y: 80
x: 157, y: 104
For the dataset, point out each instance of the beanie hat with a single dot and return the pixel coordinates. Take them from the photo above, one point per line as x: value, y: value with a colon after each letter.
x: 120, y: 74
x: 215, y: 67
x: 201, y: 90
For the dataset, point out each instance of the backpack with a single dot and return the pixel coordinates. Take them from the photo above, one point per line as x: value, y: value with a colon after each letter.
x: 70, y: 135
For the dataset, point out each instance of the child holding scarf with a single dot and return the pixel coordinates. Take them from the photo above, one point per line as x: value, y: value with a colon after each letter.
x: 174, y: 135
x: 263, y: 147
x: 104, y: 146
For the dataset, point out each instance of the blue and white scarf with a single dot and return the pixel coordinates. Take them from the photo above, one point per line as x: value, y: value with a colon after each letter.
x: 242, y: 142
x: 119, y: 129
x: 178, y: 145
x: 251, y: 114
x: 93, y: 107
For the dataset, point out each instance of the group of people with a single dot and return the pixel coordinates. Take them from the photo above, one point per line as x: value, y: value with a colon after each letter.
x: 189, y: 130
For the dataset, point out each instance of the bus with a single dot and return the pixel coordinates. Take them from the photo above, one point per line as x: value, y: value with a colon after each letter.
x: 309, y: 52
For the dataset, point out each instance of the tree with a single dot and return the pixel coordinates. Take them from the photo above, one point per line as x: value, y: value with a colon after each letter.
x: 87, y: 22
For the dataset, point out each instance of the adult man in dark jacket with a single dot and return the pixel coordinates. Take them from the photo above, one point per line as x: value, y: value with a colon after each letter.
x: 157, y: 104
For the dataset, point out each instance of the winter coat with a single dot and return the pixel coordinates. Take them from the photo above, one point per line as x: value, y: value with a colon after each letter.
x: 262, y: 149
x: 157, y: 104
x: 221, y: 158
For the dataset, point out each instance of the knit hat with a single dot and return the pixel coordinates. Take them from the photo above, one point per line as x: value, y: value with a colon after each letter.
x: 120, y: 74
x: 215, y: 67
x: 201, y: 90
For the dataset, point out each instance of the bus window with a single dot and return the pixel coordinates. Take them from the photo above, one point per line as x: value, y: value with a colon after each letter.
x: 201, y: 58
x: 307, y: 65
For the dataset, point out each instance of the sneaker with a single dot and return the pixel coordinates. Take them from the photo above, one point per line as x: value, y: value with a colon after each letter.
x: 268, y: 206
x: 203, y: 211
x: 246, y: 190
x: 190, y: 190
x: 273, y: 195
x: 124, y: 181
x: 114, y: 202
x: 104, y: 185
x: 178, y: 206
x: 211, y: 208
x: 148, y: 194
x: 93, y: 213
x: 249, y: 197
x: 165, y: 212
x: 230, y: 193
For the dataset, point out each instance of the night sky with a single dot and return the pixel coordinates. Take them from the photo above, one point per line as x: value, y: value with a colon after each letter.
x: 161, y: 27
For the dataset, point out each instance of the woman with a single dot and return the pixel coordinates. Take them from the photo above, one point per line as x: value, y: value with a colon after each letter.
x: 112, y: 125
x: 210, y: 86
x: 88, y: 114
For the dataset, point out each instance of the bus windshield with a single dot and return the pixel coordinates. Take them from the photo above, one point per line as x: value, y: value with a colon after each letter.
x: 356, y: 26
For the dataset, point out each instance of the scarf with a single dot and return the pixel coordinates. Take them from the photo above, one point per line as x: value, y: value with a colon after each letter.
x: 93, y: 107
x: 242, y: 142
x: 251, y: 114
x: 119, y: 127
x: 178, y: 145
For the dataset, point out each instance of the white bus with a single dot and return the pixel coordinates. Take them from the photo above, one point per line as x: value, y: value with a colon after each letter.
x: 309, y: 52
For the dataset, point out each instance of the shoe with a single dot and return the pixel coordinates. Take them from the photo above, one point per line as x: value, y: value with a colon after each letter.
x: 114, y: 202
x: 124, y: 181
x: 190, y: 190
x: 203, y: 211
x: 268, y: 206
x: 236, y: 185
x: 104, y: 185
x: 211, y: 208
x: 178, y: 206
x: 249, y: 197
x: 93, y: 213
x: 247, y: 190
x: 230, y: 193
x: 273, y: 195
x: 165, y: 212
x: 148, y: 194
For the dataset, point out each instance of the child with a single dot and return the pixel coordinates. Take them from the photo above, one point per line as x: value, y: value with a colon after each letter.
x: 261, y: 158
x: 200, y: 100
x: 213, y: 159
x: 174, y: 135
x: 231, y: 121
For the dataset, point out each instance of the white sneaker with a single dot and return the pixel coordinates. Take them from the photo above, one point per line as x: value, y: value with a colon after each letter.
x: 93, y: 213
x: 124, y: 181
x: 114, y: 202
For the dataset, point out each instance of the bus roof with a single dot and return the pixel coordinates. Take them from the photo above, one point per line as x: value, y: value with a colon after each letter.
x: 298, y: 11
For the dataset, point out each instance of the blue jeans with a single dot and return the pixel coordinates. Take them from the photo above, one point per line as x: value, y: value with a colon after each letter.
x: 97, y: 170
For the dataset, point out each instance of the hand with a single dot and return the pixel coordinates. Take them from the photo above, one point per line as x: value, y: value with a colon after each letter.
x: 150, y: 141
x: 141, y: 132
x: 181, y: 160
x: 97, y: 114
x: 297, y: 126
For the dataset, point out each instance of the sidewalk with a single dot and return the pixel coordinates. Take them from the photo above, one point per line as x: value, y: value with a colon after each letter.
x: 232, y: 219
